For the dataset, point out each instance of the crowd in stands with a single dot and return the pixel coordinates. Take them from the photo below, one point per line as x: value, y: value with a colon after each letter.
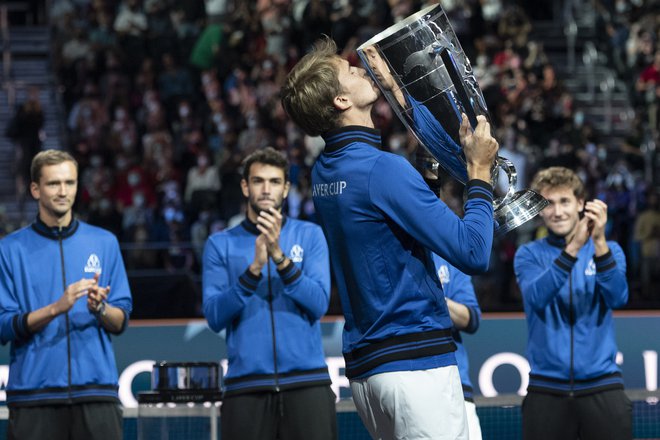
x: 164, y: 98
x: 629, y: 32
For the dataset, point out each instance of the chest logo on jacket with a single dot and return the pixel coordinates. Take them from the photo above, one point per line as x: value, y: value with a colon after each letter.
x: 296, y: 253
x: 443, y: 275
x: 591, y: 269
x: 93, y: 264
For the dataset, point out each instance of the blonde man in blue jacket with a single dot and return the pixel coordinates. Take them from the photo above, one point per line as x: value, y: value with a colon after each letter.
x: 570, y: 282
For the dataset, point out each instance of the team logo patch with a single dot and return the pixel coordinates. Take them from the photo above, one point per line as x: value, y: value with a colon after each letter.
x: 591, y: 268
x: 296, y: 253
x: 93, y: 264
x: 443, y: 274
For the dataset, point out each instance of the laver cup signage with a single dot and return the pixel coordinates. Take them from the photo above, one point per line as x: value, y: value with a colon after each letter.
x: 423, y: 72
x: 497, y: 354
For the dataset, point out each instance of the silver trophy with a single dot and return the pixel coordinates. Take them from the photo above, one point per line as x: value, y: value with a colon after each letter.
x: 423, y: 72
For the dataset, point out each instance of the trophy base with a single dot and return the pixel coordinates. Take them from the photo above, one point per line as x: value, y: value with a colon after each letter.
x: 524, y: 206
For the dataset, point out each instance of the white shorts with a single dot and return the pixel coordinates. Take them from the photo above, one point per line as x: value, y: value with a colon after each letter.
x: 474, y: 428
x: 412, y: 405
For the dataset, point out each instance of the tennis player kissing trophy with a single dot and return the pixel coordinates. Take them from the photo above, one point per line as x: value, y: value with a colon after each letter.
x: 423, y: 72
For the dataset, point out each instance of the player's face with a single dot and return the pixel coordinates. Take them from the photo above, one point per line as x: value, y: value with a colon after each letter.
x: 356, y: 84
x: 56, y: 191
x: 265, y: 187
x: 562, y: 214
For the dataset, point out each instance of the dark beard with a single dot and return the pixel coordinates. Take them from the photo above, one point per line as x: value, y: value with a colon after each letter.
x: 257, y: 210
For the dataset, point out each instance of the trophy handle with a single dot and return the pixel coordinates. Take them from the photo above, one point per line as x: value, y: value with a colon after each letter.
x: 504, y: 164
x: 514, y: 208
x: 458, y: 83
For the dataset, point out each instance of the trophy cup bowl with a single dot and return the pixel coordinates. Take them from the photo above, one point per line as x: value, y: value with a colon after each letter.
x: 424, y: 74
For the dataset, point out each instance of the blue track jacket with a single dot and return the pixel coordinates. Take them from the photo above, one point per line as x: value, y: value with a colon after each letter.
x: 382, y: 222
x: 272, y: 322
x: 458, y: 287
x: 71, y: 360
x: 568, y: 303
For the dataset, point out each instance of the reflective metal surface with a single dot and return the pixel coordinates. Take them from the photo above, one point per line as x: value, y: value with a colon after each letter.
x: 424, y: 74
x: 179, y: 376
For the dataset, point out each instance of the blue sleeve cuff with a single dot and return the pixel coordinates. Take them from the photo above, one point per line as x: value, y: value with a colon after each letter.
x: 605, y: 262
x: 249, y: 281
x: 124, y: 325
x: 478, y: 189
x: 20, y: 326
x: 473, y: 323
x: 289, y: 273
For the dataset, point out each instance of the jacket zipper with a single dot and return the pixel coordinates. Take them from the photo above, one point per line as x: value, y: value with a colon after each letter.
x: 272, y: 328
x: 66, y: 316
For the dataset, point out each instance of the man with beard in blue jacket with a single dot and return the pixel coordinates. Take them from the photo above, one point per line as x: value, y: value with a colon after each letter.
x: 62, y: 374
x: 267, y: 282
x: 570, y: 282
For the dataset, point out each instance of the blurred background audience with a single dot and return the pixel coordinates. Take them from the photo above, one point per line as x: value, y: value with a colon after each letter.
x: 163, y: 98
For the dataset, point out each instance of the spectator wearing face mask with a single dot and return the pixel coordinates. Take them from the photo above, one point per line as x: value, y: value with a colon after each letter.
x: 137, y: 213
x: 131, y: 26
x: 123, y: 130
x: 134, y: 182
x: 174, y: 82
x: 202, y: 184
x: 105, y: 215
x: 218, y: 125
x: 185, y: 127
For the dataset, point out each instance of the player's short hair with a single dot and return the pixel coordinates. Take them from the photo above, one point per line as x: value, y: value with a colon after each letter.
x: 267, y: 156
x: 47, y: 158
x: 555, y: 177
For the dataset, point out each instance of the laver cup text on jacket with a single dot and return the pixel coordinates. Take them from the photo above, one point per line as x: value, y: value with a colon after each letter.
x: 329, y: 189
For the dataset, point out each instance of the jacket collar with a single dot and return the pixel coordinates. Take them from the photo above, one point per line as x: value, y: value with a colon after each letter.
x: 251, y: 227
x: 340, y: 137
x: 55, y: 232
x: 556, y: 240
